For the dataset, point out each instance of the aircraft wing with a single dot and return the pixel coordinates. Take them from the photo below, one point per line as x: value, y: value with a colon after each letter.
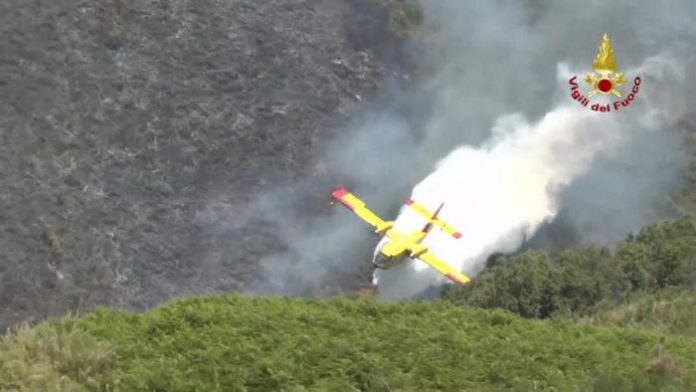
x: 421, y: 210
x: 358, y: 206
x: 444, y: 268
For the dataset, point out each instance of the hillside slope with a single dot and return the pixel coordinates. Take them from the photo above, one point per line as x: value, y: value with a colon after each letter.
x: 133, y: 133
x: 660, y: 258
x: 670, y: 311
x: 251, y: 344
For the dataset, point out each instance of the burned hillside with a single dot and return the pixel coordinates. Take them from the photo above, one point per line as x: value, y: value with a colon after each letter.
x: 134, y: 132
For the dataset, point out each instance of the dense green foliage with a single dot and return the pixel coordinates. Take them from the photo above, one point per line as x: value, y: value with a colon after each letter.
x: 672, y: 312
x: 635, y: 331
x: 581, y: 282
x: 234, y: 343
x: 57, y: 356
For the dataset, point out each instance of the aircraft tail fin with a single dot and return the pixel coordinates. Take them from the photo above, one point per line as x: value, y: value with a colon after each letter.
x: 432, y: 218
x: 429, y: 225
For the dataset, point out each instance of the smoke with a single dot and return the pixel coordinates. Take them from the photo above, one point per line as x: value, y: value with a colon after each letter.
x: 494, y: 81
x: 499, y: 194
x: 607, y: 174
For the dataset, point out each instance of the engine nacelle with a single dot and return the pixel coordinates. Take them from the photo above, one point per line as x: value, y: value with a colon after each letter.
x: 418, y: 250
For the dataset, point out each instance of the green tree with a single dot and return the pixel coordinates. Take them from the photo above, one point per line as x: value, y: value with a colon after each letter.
x: 635, y: 271
x: 586, y: 278
x: 581, y: 282
x: 526, y: 284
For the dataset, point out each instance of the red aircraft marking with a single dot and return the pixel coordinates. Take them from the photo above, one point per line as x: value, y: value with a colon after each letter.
x: 339, y: 193
x: 454, y: 278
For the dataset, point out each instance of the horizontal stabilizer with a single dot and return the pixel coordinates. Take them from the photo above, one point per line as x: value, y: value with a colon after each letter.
x: 425, y: 213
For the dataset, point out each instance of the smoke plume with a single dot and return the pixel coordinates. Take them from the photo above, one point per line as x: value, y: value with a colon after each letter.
x: 494, y: 101
x: 498, y: 194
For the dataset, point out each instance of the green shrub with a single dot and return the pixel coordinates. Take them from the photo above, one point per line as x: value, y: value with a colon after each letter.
x: 578, y: 283
x: 671, y: 312
x: 54, y: 356
x: 526, y: 285
x: 232, y: 343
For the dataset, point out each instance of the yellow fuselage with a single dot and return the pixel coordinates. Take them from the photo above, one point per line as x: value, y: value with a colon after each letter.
x: 404, y: 244
x: 400, y: 244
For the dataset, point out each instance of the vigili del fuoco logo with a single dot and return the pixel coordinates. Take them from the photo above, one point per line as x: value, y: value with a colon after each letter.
x: 605, y: 81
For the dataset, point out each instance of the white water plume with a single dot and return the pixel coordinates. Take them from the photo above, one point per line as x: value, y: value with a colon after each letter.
x: 597, y: 177
x: 498, y: 195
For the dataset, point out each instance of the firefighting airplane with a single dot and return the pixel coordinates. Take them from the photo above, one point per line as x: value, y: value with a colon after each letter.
x: 405, y: 244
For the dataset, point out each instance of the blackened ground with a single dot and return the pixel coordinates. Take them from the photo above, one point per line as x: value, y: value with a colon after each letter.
x: 129, y: 126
